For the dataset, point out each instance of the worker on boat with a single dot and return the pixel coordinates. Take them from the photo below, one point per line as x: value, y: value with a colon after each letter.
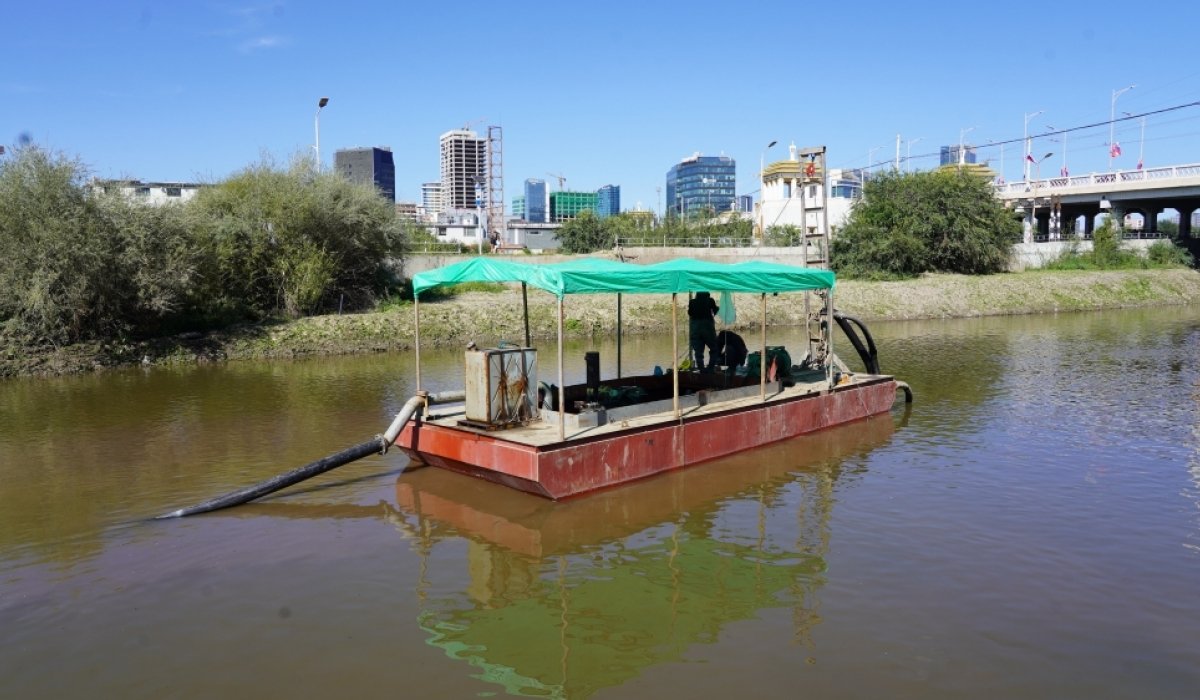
x: 731, y: 349
x: 702, y: 330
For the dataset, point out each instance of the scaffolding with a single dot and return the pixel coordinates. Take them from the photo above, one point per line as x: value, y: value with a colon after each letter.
x: 495, y: 183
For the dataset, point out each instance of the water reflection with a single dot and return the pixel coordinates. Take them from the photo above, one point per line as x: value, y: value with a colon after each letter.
x: 563, y: 599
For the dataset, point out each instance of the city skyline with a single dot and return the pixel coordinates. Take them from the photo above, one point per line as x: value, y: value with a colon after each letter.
x: 205, y: 91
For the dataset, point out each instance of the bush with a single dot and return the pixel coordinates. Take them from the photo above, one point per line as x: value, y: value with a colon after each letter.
x: 912, y: 223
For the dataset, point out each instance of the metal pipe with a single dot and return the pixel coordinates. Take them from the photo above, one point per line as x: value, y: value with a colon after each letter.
x: 525, y: 308
x: 618, y: 335
x: 562, y: 392
x: 675, y: 352
x: 762, y: 364
x: 417, y: 336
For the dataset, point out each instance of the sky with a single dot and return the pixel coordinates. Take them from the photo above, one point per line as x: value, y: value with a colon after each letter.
x: 601, y: 93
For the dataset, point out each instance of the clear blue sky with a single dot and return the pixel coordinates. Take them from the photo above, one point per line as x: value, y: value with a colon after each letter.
x: 604, y: 93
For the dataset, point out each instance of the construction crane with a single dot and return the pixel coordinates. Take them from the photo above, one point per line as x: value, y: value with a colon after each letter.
x: 562, y: 180
x: 473, y: 122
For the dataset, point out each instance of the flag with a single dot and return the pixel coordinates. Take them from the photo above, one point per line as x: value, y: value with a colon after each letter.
x: 1115, y: 150
x: 1139, y: 164
x: 1064, y: 172
x: 1029, y: 157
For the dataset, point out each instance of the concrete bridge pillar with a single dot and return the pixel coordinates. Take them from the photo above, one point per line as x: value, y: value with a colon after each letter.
x: 1089, y: 224
x: 1027, y: 226
x: 1150, y: 218
x: 1185, y: 221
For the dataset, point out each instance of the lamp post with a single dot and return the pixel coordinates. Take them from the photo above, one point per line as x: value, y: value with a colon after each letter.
x: 1063, y: 172
x: 1142, y: 141
x: 1112, y: 115
x: 762, y: 186
x: 962, y: 154
x: 1028, y: 143
x: 870, y: 159
x: 1001, y: 177
x: 1037, y: 164
x: 908, y: 155
x: 317, y: 128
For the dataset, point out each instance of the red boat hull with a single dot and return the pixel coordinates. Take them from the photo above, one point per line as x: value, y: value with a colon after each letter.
x: 579, y: 465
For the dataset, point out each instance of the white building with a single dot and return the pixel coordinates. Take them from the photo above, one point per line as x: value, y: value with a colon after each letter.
x: 155, y: 193
x: 795, y: 192
x: 463, y: 168
x: 431, y: 200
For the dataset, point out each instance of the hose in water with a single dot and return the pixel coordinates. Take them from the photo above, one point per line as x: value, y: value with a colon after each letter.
x: 378, y: 444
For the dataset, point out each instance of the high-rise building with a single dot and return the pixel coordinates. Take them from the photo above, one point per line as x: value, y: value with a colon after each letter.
x: 950, y: 155
x: 700, y: 184
x: 565, y: 206
x: 431, y: 198
x: 535, y: 201
x: 745, y: 202
x: 608, y: 201
x: 518, y: 208
x: 368, y: 166
x: 464, y: 168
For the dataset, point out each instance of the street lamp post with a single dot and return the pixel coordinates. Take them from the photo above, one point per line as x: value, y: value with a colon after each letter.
x: 962, y: 154
x: 870, y: 159
x: 1141, y: 142
x: 761, y: 187
x: 1001, y: 176
x: 1028, y: 143
x: 317, y: 128
x: 1037, y: 164
x: 908, y: 155
x: 1063, y: 172
x: 1112, y: 115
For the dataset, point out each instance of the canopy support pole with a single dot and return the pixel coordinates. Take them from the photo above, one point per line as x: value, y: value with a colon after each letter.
x: 675, y: 353
x: 562, y: 391
x: 829, y: 336
x: 618, y: 335
x: 417, y: 336
x: 525, y: 307
x: 762, y: 359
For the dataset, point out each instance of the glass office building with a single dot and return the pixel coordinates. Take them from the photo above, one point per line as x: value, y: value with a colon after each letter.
x: 565, y: 206
x: 950, y: 155
x: 702, y: 185
x: 608, y: 201
x: 535, y: 201
x: 368, y: 165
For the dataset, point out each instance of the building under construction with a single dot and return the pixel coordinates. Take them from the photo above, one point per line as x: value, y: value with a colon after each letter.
x: 464, y: 166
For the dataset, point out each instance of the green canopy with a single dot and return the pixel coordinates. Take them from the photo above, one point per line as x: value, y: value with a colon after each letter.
x: 597, y: 276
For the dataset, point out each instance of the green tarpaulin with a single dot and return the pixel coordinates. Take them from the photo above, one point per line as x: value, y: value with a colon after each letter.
x: 596, y: 276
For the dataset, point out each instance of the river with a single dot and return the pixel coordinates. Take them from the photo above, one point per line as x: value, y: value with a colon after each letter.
x: 1029, y: 528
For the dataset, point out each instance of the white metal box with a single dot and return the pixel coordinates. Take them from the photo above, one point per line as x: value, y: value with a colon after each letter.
x: 501, y: 386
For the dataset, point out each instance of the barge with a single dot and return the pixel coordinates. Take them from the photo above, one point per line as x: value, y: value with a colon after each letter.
x: 560, y: 441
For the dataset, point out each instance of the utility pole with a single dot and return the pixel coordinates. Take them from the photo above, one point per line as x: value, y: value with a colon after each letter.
x: 897, y: 168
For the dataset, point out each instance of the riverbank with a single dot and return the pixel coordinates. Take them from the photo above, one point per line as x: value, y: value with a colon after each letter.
x: 489, y: 317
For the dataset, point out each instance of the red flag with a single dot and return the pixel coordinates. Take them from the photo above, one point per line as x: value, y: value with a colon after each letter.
x: 1064, y: 172
x: 1139, y: 165
x: 1115, y: 150
x: 1029, y: 157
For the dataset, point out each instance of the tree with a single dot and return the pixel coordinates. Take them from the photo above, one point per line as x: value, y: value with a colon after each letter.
x: 586, y: 233
x: 81, y: 263
x: 939, y: 221
x: 287, y: 240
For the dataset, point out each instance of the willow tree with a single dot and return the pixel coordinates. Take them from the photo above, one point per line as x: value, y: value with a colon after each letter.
x: 939, y: 221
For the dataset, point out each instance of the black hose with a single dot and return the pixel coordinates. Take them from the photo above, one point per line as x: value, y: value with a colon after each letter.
x: 868, y: 353
x: 372, y: 446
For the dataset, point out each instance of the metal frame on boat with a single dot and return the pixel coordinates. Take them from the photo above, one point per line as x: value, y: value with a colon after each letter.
x: 580, y: 443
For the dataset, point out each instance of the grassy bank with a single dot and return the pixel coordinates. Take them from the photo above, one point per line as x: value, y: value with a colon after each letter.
x: 489, y: 317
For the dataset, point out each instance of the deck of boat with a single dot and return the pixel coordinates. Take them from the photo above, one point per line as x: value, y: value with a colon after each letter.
x: 701, y: 404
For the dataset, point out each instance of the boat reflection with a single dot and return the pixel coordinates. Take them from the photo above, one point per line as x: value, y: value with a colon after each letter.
x: 565, y: 598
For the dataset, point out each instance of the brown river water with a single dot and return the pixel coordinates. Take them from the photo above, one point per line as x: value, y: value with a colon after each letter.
x: 1029, y: 528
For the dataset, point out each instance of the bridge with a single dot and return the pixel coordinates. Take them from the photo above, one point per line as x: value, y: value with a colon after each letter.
x: 1059, y: 208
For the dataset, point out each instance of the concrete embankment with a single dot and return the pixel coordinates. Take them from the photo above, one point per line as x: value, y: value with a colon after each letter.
x: 487, y: 317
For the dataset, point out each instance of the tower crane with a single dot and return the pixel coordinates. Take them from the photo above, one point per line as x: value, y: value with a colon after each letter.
x: 562, y: 180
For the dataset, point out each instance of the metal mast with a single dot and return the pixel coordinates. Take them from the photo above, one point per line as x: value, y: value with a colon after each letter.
x: 495, y: 182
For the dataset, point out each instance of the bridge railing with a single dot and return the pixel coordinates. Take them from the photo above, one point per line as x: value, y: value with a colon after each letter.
x: 1163, y: 174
